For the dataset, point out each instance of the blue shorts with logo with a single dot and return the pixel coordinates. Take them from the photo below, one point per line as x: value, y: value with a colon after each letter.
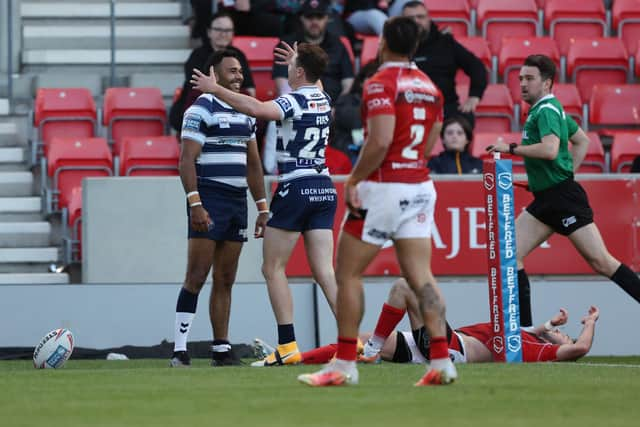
x: 304, y: 204
x: 227, y: 208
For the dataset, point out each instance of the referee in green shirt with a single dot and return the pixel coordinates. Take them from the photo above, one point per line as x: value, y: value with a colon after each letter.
x: 560, y: 204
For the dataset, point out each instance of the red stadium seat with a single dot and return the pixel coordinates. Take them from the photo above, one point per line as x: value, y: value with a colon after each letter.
x: 567, y: 95
x: 454, y: 14
x: 72, y: 233
x: 68, y: 162
x: 513, y: 53
x: 62, y: 112
x: 369, y: 49
x: 625, y: 148
x: 594, y: 161
x: 638, y: 62
x: 479, y: 47
x: 597, y: 60
x: 495, y: 110
x: 507, y: 18
x: 133, y: 112
x: 482, y: 140
x: 259, y: 52
x: 626, y: 21
x: 149, y: 156
x: 615, y: 106
x: 570, y: 19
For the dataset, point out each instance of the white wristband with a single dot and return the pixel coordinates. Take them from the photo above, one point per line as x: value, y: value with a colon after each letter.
x: 261, y: 212
x: 261, y: 200
x: 193, y: 193
x: 548, y: 326
x: 193, y: 205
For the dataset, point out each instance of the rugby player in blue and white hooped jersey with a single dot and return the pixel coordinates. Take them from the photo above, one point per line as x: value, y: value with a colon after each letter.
x: 218, y: 161
x: 305, y: 200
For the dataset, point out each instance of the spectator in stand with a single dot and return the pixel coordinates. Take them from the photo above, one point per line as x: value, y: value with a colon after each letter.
x: 220, y: 34
x: 440, y: 56
x: 635, y: 167
x: 347, y: 134
x: 456, y: 135
x: 366, y: 16
x: 314, y: 18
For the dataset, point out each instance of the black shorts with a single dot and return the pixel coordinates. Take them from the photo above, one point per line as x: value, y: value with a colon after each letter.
x: 403, y: 353
x: 563, y: 207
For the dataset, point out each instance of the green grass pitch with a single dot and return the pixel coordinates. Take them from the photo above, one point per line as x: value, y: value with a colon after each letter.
x: 595, y: 392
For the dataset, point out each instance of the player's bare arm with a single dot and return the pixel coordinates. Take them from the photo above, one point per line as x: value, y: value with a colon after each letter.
x: 581, y: 347
x: 380, y: 130
x: 189, y: 152
x: 239, y: 102
x: 432, y: 138
x: 547, y: 149
x: 559, y: 319
x: 255, y: 181
x: 580, y: 144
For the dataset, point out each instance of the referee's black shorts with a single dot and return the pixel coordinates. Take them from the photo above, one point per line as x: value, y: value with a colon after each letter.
x: 563, y: 207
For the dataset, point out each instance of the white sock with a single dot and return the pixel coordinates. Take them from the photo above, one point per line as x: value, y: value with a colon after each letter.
x: 440, y: 364
x: 345, y: 365
x: 373, y: 345
x: 181, y: 331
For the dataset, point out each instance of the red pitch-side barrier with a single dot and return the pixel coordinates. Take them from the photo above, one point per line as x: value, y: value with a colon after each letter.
x: 459, y: 236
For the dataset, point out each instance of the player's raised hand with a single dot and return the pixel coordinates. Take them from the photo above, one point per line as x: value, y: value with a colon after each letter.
x: 561, y: 318
x: 285, y: 54
x: 204, y: 83
x: 593, y: 314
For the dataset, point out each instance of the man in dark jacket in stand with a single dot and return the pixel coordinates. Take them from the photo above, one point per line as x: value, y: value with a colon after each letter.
x: 440, y: 56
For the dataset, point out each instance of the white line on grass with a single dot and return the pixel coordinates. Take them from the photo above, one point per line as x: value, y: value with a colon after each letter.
x: 606, y: 365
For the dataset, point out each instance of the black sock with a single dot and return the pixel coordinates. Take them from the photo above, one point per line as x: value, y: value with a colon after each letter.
x: 221, y: 349
x: 286, y: 333
x: 628, y: 281
x: 524, y: 298
x: 187, y: 302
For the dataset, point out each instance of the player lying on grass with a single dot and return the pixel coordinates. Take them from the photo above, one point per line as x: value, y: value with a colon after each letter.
x: 468, y: 344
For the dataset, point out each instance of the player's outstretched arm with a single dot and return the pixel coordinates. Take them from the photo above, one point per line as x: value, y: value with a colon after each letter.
x: 581, y: 347
x: 238, y: 101
x: 434, y: 133
x: 559, y: 319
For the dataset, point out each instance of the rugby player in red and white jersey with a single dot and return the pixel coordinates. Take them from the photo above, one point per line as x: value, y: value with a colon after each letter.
x: 467, y: 344
x: 390, y: 197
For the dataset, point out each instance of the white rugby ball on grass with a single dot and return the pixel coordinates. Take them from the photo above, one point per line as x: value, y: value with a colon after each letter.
x: 54, y: 349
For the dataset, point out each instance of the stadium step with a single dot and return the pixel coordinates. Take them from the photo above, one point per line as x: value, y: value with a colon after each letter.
x: 16, y: 184
x: 11, y: 155
x: 139, y: 9
x: 24, y: 234
x: 20, y: 209
x: 8, y: 133
x: 34, y: 278
x: 4, y: 106
x: 27, y: 260
x: 99, y: 37
x: 103, y: 56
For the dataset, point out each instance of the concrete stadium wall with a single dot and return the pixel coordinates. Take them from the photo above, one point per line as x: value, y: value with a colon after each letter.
x: 134, y: 230
x: 104, y: 316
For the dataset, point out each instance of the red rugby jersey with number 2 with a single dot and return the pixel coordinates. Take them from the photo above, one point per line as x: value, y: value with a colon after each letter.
x: 402, y: 90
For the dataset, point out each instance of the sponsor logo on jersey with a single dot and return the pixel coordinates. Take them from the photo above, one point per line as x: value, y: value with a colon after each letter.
x: 191, y: 122
x: 375, y: 103
x: 284, y: 103
x: 524, y: 134
x: 374, y: 88
x: 404, y: 204
x: 411, y: 97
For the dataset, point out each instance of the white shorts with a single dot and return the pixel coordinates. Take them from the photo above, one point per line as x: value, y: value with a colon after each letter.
x: 393, y: 211
x: 456, y: 356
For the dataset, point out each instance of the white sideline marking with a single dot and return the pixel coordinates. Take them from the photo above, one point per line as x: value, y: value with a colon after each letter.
x: 606, y: 365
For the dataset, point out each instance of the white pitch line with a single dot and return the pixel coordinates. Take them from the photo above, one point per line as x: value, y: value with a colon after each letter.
x: 606, y: 365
